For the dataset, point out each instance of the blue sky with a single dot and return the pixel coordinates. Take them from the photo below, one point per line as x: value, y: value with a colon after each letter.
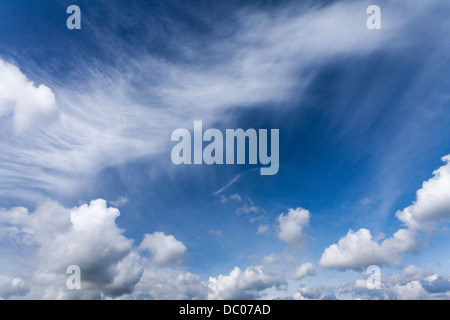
x: 86, y: 115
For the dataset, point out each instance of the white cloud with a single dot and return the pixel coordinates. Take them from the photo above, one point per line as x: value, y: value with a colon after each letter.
x: 412, y: 284
x: 29, y: 105
x: 306, y: 269
x: 165, y: 248
x: 358, y: 249
x: 411, y: 291
x: 265, y: 63
x: 12, y: 287
x: 111, y: 267
x: 438, y: 286
x: 97, y: 129
x: 410, y: 273
x: 86, y: 236
x: 309, y: 293
x: 262, y: 229
x: 119, y: 202
x: 224, y: 199
x: 235, y: 196
x: 247, y: 210
x: 432, y: 203
x: 273, y: 258
x: 215, y: 232
x: 248, y: 284
x: 365, y: 201
x: 169, y: 284
x: 53, y: 237
x: 292, y: 226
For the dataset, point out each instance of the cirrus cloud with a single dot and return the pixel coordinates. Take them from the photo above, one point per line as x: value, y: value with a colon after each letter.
x: 53, y: 237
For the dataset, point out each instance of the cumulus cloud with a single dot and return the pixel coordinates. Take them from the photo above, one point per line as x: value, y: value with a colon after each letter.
x: 169, y: 284
x: 291, y: 226
x: 306, y: 269
x: 358, y: 249
x: 27, y: 103
x: 86, y: 236
x: 262, y: 229
x: 54, y: 237
x: 119, y: 202
x: 411, y: 291
x: 422, y: 287
x: 432, y: 204
x: 437, y: 285
x: 273, y: 258
x: 414, y: 283
x: 247, y: 284
x: 165, y: 248
x: 310, y: 293
x: 410, y: 273
x: 111, y: 266
x: 12, y: 287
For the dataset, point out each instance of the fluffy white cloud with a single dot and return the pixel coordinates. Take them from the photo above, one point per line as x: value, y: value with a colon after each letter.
x: 358, y: 249
x: 355, y: 250
x: 412, y: 284
x: 273, y: 258
x: 410, y: 273
x: 432, y: 203
x: 411, y: 291
x: 53, y: 238
x: 169, y: 284
x: 310, y: 293
x: 262, y: 229
x: 306, y: 269
x: 12, y: 287
x: 165, y: 248
x: 438, y: 286
x: 291, y: 226
x: 19, y: 97
x: 119, y: 202
x: 86, y: 236
x: 248, y: 284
